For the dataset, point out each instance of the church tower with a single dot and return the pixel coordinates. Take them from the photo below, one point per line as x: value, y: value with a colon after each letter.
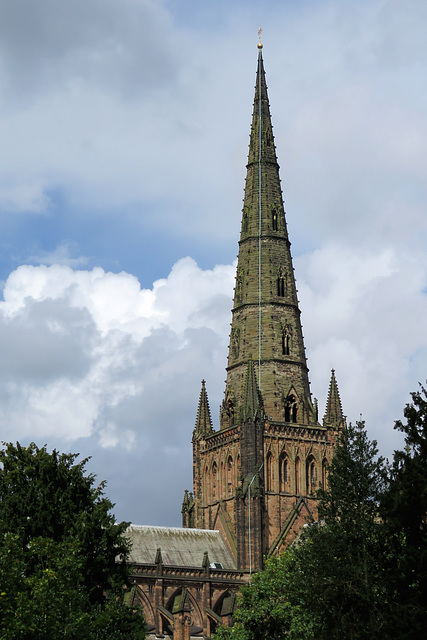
x: 255, y: 477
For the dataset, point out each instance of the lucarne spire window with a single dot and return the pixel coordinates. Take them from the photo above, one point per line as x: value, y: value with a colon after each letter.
x: 286, y: 343
x: 291, y: 409
x: 274, y: 220
x: 281, y: 283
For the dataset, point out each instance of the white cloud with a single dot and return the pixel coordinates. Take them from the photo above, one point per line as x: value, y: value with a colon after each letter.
x: 84, y: 343
x: 364, y: 313
x: 136, y: 115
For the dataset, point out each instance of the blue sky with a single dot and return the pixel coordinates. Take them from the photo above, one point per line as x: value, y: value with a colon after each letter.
x: 124, y: 129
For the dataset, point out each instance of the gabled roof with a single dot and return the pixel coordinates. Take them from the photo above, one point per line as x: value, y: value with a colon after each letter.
x: 179, y: 547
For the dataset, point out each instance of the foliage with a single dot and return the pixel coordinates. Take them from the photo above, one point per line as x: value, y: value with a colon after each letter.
x: 334, y: 581
x: 404, y: 509
x: 59, y: 546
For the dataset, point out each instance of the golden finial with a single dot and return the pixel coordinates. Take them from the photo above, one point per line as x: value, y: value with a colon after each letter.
x: 259, y: 36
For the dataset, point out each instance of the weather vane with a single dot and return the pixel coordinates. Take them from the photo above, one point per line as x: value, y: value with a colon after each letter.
x: 259, y: 36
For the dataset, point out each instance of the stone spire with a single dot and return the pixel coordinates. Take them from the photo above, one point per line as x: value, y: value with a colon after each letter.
x: 266, y: 317
x: 333, y: 415
x: 203, y: 420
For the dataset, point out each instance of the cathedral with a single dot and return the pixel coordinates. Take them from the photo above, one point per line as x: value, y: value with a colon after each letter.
x: 255, y: 477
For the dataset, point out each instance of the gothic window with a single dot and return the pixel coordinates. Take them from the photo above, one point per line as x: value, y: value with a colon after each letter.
x: 311, y: 475
x: 291, y: 409
x: 297, y: 476
x: 229, y: 475
x: 294, y: 412
x: 245, y: 219
x: 274, y: 220
x: 286, y: 343
x: 284, y: 473
x: 270, y: 472
x: 324, y: 472
x: 214, y: 481
x: 281, y: 283
x: 205, y: 486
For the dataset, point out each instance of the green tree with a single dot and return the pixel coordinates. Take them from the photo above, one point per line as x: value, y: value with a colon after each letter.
x: 329, y: 584
x: 404, y: 509
x: 341, y: 556
x: 62, y: 555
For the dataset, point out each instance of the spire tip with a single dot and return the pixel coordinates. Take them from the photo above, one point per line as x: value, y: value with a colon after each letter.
x: 259, y: 36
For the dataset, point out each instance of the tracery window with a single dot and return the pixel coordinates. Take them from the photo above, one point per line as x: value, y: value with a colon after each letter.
x: 214, y: 480
x: 324, y: 472
x: 297, y: 475
x: 311, y: 475
x: 229, y: 475
x: 270, y: 471
x: 284, y: 473
x: 291, y: 408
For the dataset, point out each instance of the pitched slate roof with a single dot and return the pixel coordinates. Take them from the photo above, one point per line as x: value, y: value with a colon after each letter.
x: 179, y: 547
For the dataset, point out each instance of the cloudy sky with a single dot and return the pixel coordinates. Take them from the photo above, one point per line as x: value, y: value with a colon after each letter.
x: 124, y: 128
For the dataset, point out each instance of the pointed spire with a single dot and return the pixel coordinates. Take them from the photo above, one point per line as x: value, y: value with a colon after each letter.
x: 266, y: 317
x: 261, y: 145
x: 206, y: 563
x: 333, y: 414
x: 203, y: 420
x: 158, y: 561
x: 252, y: 404
x: 185, y: 502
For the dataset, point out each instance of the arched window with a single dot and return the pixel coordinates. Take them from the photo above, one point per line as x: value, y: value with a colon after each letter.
x: 229, y: 488
x: 214, y: 480
x: 286, y: 343
x: 311, y: 475
x: 284, y: 473
x: 291, y: 409
x: 274, y: 220
x: 281, y: 286
x: 324, y: 473
x: 297, y: 475
x: 245, y: 220
x: 205, y: 486
x: 270, y: 472
x: 294, y: 412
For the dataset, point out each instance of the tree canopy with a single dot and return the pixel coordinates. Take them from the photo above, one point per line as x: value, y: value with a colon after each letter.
x: 62, y: 554
x: 361, y: 571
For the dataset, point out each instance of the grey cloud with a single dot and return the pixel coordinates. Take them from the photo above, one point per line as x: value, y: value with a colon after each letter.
x: 127, y: 46
x: 46, y: 340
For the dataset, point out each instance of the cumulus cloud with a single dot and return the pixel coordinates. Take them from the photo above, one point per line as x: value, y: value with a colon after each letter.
x: 124, y: 129
x: 363, y: 313
x: 92, y: 360
x: 82, y: 344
